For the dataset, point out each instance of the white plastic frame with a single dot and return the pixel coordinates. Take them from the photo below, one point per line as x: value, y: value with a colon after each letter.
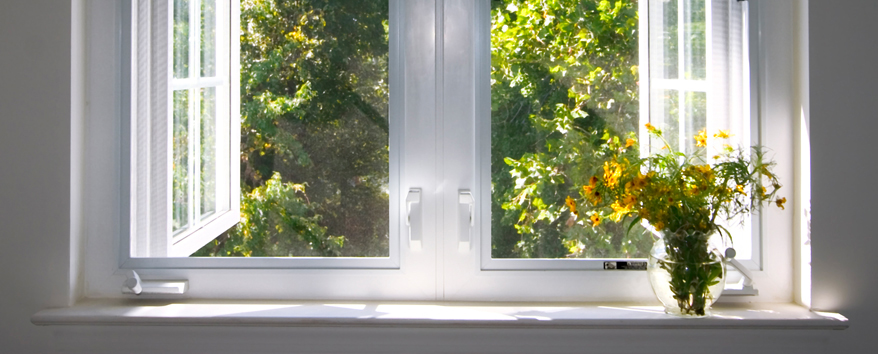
x: 441, y: 89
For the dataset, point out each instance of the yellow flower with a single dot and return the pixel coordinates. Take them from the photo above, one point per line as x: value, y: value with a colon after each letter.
x: 595, y: 219
x: 571, y: 204
x: 629, y: 200
x: 780, y: 202
x: 659, y: 225
x: 701, y: 138
x: 619, y: 211
x: 722, y: 134
x: 593, y: 195
x: 593, y: 181
x: 596, y: 198
x: 740, y: 189
x: 650, y: 127
x: 639, y: 182
x: 630, y: 142
x: 612, y: 172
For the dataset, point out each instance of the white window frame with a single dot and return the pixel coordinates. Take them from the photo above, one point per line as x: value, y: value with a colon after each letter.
x: 435, y: 100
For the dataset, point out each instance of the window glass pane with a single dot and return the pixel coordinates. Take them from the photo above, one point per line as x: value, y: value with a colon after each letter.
x: 695, y: 119
x: 664, y: 46
x: 562, y: 75
x: 180, y: 143
x: 314, y: 131
x: 208, y: 38
x: 208, y: 152
x: 665, y: 114
x: 181, y: 39
x: 694, y: 40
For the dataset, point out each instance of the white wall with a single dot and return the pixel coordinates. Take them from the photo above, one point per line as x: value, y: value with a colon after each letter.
x: 844, y: 121
x: 35, y: 194
x: 35, y: 134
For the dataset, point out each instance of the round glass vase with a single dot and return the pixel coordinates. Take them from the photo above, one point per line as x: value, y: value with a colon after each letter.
x: 686, y: 273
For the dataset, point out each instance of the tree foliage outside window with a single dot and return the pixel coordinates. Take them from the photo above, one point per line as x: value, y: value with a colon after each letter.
x: 314, y: 146
x: 563, y: 73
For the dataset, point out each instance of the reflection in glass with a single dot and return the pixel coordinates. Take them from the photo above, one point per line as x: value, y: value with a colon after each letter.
x: 180, y: 143
x: 181, y: 39
x: 208, y: 152
x: 208, y: 38
x: 694, y: 39
x: 696, y: 119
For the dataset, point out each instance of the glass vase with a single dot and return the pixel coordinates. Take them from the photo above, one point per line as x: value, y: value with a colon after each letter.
x: 687, y: 274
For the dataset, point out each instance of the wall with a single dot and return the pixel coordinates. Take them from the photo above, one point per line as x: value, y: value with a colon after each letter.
x: 35, y: 138
x: 843, y: 161
x: 36, y: 133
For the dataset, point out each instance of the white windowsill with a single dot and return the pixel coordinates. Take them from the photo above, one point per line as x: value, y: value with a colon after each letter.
x: 431, y: 315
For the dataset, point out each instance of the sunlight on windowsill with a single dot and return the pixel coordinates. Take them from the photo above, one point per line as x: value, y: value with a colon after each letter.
x: 404, y: 314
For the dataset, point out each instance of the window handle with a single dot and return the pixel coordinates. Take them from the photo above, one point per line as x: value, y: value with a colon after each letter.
x: 414, y: 197
x: 748, y: 288
x: 466, y: 197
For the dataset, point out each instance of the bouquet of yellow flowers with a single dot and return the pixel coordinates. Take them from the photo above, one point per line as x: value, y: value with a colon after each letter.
x: 683, y: 196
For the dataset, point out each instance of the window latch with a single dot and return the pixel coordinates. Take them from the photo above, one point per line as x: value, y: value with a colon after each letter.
x: 466, y: 197
x: 134, y: 285
x: 414, y: 197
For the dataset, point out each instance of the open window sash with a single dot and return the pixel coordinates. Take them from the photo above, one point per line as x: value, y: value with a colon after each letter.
x: 185, y: 124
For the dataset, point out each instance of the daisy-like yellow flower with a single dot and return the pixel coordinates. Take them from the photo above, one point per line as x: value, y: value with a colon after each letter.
x: 639, y: 182
x: 780, y: 202
x: 619, y: 211
x: 629, y: 200
x: 571, y: 203
x: 587, y: 189
x: 722, y: 134
x: 740, y: 189
x: 706, y: 172
x: 612, y: 172
x: 630, y: 142
x: 701, y: 138
x: 595, y: 219
x: 650, y: 127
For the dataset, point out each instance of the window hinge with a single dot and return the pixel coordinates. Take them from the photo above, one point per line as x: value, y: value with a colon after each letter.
x: 134, y: 285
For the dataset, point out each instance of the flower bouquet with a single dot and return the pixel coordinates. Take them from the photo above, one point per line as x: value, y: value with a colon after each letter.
x: 687, y: 197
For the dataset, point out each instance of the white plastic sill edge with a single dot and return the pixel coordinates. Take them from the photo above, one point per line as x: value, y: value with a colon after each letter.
x: 404, y: 314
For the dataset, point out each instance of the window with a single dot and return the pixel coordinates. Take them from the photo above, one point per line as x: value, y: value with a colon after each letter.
x: 563, y: 75
x: 442, y: 242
